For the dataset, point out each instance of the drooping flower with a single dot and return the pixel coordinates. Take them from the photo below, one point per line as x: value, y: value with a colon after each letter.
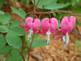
x: 33, y: 24
x: 28, y: 23
x: 53, y: 25
x: 67, y: 25
x: 49, y: 26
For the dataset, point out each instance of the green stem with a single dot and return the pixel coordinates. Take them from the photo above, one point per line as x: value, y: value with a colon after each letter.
x: 29, y: 38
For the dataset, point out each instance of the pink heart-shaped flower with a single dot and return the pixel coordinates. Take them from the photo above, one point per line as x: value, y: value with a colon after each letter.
x: 68, y: 24
x: 33, y: 24
x: 53, y: 25
x: 49, y: 25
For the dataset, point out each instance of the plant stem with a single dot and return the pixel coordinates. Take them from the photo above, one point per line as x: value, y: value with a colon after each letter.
x: 56, y: 11
x: 66, y: 39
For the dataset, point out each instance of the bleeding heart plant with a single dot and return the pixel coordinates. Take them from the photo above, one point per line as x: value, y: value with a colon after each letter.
x: 67, y: 25
x: 49, y: 26
x: 32, y: 25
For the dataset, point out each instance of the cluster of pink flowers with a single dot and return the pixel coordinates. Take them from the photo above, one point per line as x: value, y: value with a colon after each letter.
x: 50, y: 25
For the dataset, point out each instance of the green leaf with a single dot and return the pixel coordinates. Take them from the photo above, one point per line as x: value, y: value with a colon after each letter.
x: 2, y: 41
x: 75, y: 2
x: 5, y: 50
x: 13, y: 40
x: 2, y: 1
x: 37, y: 42
x: 19, y: 12
x: 15, y: 56
x: 25, y: 2
x: 3, y: 29
x: 50, y: 4
x: 18, y: 30
x: 54, y: 6
x: 43, y: 2
x: 4, y: 19
x: 15, y: 23
x: 63, y: 1
x: 1, y: 12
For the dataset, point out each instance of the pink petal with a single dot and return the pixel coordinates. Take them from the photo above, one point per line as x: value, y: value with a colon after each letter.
x: 45, y: 24
x: 36, y: 24
x: 73, y: 21
x: 67, y: 24
x: 64, y: 25
x: 28, y: 19
x: 28, y: 23
x: 53, y: 24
